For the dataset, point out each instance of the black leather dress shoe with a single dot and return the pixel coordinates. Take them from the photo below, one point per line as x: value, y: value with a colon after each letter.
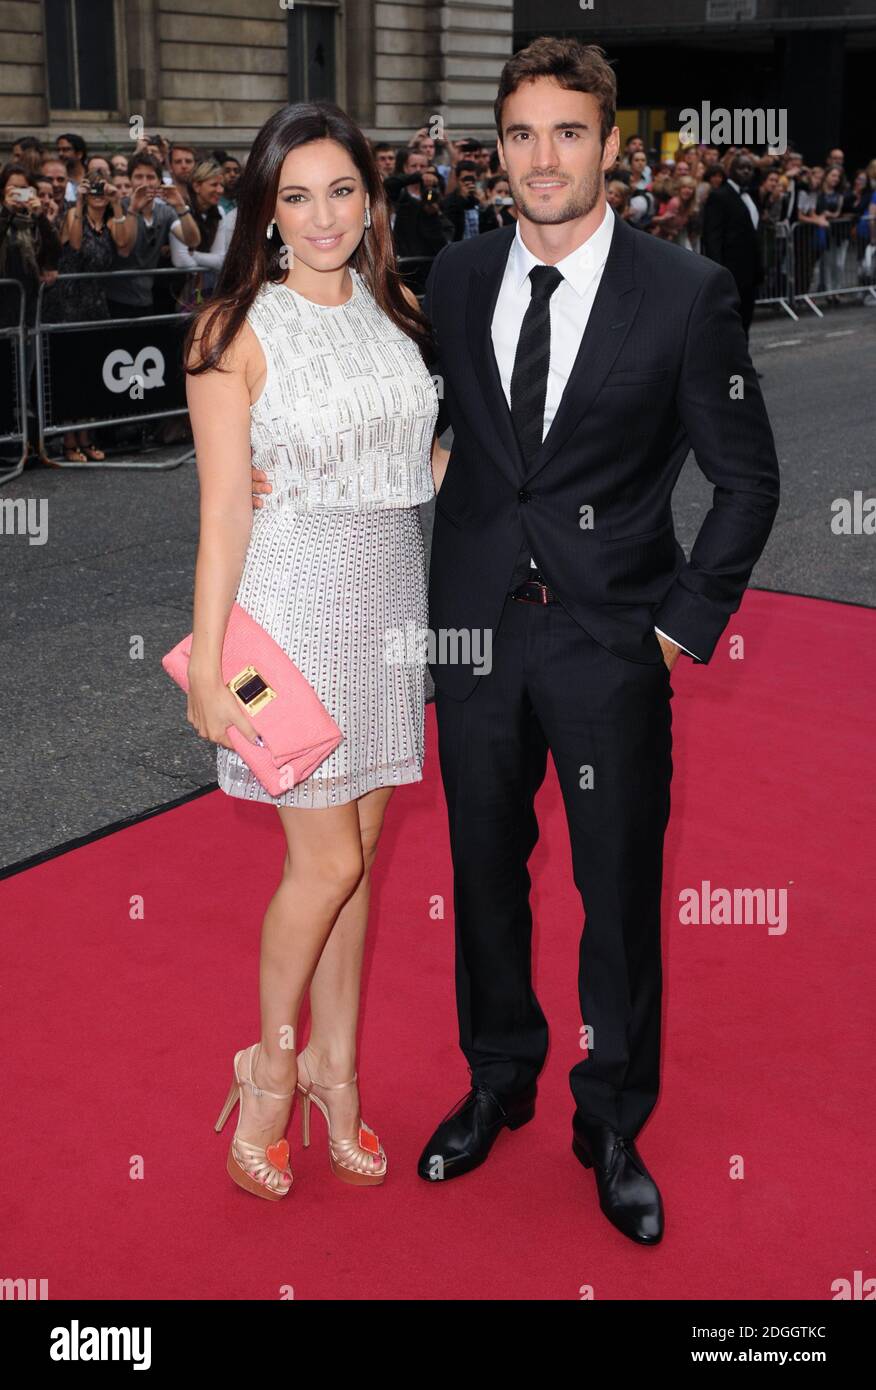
x: 465, y: 1136
x: 628, y: 1195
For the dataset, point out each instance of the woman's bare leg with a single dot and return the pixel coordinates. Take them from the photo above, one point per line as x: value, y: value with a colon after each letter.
x: 323, y: 867
x: 335, y: 988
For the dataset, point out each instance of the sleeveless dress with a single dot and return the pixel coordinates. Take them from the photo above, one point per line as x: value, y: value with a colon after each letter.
x: 335, y: 567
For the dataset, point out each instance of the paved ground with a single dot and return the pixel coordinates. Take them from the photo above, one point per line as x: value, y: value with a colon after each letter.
x: 94, y: 735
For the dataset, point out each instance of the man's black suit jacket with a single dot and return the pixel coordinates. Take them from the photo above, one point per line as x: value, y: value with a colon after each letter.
x: 729, y: 236
x: 660, y: 365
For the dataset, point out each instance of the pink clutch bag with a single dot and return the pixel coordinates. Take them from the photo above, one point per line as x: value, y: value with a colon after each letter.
x: 296, y: 730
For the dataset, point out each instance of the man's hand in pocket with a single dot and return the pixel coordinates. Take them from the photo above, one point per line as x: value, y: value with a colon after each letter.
x: 671, y: 651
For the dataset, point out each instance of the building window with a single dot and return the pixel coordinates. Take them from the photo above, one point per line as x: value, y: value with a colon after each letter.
x: 311, y: 49
x: 81, y: 47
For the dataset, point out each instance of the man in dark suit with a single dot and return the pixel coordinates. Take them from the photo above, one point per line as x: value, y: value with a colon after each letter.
x: 580, y: 361
x: 730, y: 223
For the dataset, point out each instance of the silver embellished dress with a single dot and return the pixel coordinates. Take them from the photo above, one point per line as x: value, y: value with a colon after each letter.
x: 335, y: 568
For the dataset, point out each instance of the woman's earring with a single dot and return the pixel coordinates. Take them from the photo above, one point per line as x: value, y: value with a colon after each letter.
x: 270, y: 232
x: 367, y: 217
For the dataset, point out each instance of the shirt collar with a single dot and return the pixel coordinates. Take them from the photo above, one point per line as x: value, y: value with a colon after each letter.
x: 578, y: 267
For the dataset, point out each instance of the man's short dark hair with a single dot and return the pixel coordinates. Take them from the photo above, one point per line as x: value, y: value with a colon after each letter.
x: 466, y: 166
x: 142, y: 157
x: 576, y: 66
x: 75, y: 140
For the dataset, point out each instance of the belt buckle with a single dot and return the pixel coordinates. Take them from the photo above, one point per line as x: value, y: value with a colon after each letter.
x: 535, y: 584
x: 543, y: 589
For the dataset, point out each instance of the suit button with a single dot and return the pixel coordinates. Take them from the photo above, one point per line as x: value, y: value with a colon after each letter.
x: 523, y: 495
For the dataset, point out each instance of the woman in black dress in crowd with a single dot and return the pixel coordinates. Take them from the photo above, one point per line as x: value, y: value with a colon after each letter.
x: 91, y: 230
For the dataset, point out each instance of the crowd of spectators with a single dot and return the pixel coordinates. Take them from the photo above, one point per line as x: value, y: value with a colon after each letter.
x: 172, y: 205
x: 70, y: 212
x: 169, y: 205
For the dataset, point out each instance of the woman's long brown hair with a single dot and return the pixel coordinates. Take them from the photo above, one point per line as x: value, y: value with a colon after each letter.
x: 252, y: 259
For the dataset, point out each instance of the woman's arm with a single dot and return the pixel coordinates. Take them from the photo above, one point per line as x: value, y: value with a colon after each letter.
x: 188, y: 259
x: 219, y: 409
x: 123, y: 232
x: 186, y: 227
x: 122, y: 225
x: 50, y: 247
x: 439, y: 456
x: 72, y: 227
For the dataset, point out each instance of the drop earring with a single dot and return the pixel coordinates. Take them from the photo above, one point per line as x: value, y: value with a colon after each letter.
x: 367, y: 218
x: 270, y: 232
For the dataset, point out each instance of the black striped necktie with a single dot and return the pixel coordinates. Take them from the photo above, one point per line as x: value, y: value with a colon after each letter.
x: 531, y: 362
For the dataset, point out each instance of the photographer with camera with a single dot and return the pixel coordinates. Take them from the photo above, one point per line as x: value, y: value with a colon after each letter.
x: 409, y: 165
x: 156, y: 211
x: 499, y: 209
x: 29, y: 245
x: 29, y: 250
x: 463, y: 206
x: 419, y: 227
x: 91, y: 232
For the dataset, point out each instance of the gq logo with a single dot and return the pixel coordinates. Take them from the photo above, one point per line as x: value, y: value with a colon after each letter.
x: 122, y: 372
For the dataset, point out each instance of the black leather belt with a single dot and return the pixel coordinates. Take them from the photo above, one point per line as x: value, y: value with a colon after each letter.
x: 534, y: 591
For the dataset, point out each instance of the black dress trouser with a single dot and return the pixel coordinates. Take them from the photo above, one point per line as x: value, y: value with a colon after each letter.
x: 552, y: 686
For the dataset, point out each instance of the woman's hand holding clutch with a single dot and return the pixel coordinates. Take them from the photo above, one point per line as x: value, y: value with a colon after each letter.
x: 212, y: 707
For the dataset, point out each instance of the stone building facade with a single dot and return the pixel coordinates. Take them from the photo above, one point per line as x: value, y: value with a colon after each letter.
x: 211, y: 71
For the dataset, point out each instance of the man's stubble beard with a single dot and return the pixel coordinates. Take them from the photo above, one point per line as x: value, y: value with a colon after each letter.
x: 578, y: 204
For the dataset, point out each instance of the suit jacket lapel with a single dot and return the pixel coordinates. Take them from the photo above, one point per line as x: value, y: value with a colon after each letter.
x: 485, y: 283
x: 611, y: 317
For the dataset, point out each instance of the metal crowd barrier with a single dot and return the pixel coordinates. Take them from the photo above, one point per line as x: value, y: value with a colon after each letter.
x: 16, y: 336
x: 803, y: 262
x: 38, y: 339
x: 833, y: 261
x: 43, y: 330
x: 777, y: 255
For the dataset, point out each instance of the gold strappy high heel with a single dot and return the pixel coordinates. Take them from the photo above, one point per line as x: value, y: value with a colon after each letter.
x: 265, y: 1172
x: 351, y: 1161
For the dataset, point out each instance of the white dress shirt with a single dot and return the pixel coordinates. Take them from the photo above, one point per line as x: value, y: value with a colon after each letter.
x: 570, y: 306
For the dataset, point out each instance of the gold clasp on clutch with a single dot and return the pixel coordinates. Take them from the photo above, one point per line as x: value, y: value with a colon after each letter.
x: 252, y: 692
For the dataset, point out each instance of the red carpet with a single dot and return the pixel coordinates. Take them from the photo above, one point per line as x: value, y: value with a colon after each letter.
x: 120, y: 1033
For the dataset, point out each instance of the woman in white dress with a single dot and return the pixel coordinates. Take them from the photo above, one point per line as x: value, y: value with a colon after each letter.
x: 310, y: 362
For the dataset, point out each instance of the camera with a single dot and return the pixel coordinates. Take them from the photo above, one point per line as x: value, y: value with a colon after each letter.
x: 96, y: 186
